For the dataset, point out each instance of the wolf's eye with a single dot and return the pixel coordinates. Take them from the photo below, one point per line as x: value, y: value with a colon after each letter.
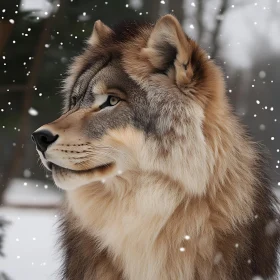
x: 113, y: 100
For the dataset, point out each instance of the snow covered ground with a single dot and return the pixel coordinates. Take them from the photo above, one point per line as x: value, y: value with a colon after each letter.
x: 30, y: 244
x: 32, y: 193
x: 30, y: 239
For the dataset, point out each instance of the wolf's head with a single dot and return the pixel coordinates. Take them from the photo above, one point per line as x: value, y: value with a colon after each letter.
x: 141, y: 98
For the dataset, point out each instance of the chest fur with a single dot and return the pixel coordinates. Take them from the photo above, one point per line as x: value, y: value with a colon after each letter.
x: 153, y: 233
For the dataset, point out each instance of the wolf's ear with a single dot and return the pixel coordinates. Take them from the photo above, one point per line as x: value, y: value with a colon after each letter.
x: 168, y: 45
x: 99, y: 33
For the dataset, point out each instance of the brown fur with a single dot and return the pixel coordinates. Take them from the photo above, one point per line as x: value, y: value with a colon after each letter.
x: 187, y: 200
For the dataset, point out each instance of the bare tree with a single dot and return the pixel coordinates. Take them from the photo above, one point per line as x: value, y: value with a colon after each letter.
x: 5, y: 31
x: 199, y: 16
x: 215, y: 40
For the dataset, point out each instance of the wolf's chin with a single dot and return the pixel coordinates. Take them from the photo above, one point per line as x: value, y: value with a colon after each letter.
x: 57, y: 168
x: 69, y: 179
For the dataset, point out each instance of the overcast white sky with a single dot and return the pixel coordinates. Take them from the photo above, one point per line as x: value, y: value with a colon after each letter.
x: 34, y: 4
x: 242, y: 26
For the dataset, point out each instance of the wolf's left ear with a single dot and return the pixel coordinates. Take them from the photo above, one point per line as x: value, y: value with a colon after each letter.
x: 100, y: 32
x: 168, y: 45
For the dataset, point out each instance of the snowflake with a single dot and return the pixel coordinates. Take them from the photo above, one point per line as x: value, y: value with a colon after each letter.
x: 26, y: 173
x: 33, y: 112
x: 262, y: 74
x: 187, y: 237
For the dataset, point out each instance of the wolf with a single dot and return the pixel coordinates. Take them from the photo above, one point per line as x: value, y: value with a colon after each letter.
x: 161, y: 179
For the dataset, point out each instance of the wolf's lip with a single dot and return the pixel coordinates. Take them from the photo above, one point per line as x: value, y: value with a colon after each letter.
x: 53, y: 166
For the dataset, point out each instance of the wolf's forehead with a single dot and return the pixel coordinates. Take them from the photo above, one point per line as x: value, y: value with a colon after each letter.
x: 113, y: 76
x: 106, y: 75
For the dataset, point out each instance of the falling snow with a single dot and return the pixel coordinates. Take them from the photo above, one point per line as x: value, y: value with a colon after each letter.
x: 265, y: 115
x: 257, y: 278
x: 26, y: 173
x: 218, y: 257
x: 262, y: 74
x: 33, y: 112
x: 262, y: 127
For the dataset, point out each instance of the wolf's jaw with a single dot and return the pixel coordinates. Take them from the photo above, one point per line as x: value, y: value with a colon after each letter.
x: 68, y: 179
x: 55, y: 167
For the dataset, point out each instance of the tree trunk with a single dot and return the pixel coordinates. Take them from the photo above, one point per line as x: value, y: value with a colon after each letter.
x: 5, y: 31
x: 217, y: 29
x: 200, y: 25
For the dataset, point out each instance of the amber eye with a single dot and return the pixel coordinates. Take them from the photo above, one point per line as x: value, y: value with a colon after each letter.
x: 110, y: 101
x: 113, y: 100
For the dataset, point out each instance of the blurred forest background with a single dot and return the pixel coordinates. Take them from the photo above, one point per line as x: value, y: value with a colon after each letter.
x: 38, y: 38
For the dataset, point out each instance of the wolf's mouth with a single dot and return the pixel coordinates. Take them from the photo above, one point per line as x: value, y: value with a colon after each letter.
x: 55, y: 167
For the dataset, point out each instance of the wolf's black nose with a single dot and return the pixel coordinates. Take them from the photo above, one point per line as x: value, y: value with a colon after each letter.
x: 43, y: 138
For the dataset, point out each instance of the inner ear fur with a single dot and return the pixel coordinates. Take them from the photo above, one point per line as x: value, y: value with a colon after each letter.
x: 168, y: 45
x: 100, y: 32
